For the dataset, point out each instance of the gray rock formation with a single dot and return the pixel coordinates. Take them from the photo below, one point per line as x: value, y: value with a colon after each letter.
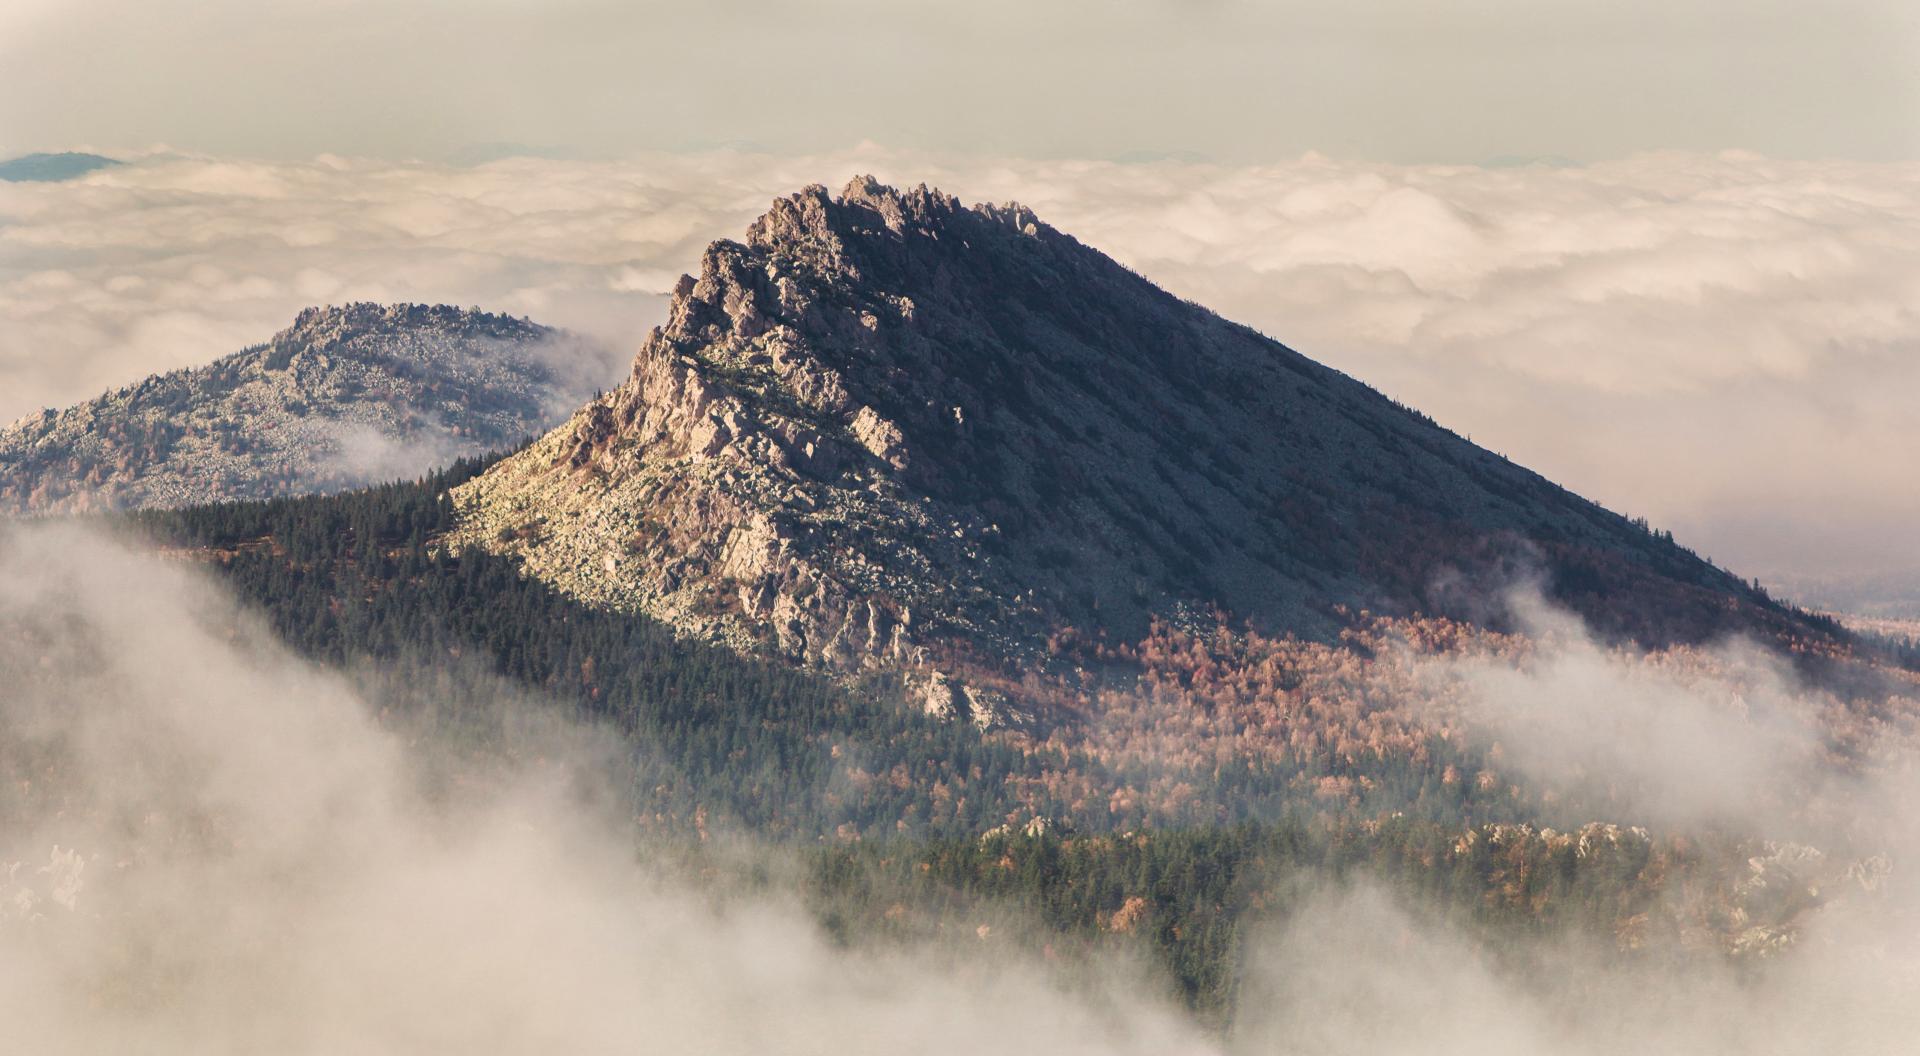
x: 892, y: 429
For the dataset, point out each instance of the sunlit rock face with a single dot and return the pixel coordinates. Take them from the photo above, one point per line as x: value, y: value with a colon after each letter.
x: 891, y: 429
x: 344, y: 397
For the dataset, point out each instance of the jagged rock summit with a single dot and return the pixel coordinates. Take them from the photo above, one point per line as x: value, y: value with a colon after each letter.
x: 345, y: 396
x: 892, y: 429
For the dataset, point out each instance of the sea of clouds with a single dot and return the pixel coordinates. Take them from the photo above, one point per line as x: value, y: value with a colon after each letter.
x: 1725, y: 343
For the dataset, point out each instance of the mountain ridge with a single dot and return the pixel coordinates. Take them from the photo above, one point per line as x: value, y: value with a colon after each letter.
x: 891, y: 429
x: 53, y: 167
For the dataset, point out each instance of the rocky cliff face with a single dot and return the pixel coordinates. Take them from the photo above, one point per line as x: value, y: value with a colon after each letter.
x: 892, y: 429
x: 344, y: 397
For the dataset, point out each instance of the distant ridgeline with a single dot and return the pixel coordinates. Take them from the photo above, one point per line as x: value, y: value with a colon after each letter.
x: 346, y: 396
x: 51, y: 168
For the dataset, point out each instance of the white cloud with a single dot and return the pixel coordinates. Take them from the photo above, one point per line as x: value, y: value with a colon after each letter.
x: 1681, y: 740
x: 1725, y: 343
x: 209, y: 845
x: 1708, y: 743
x: 1358, y: 973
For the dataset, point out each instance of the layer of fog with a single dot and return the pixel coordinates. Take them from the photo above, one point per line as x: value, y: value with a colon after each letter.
x: 1723, y: 738
x: 1723, y: 343
x: 214, y: 847
x: 1359, y: 974
x: 209, y: 845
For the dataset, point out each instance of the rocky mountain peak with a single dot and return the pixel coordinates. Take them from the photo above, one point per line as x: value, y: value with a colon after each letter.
x: 814, y: 217
x: 892, y: 428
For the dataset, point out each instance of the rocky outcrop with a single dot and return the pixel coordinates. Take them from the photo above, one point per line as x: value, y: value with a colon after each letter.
x: 344, y: 397
x: 890, y: 429
x: 948, y: 699
x: 736, y: 486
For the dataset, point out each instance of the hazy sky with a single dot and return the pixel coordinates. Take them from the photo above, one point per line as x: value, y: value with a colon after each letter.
x: 1236, y: 80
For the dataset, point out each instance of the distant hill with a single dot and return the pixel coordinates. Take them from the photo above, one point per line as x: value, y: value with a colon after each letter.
x: 345, y: 396
x: 51, y: 168
x: 889, y: 429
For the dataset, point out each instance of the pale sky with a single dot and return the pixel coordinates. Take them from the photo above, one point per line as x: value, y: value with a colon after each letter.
x: 1235, y: 80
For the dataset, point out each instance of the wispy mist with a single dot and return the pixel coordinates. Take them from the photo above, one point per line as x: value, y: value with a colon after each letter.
x: 1723, y: 740
x: 1720, y: 736
x: 208, y: 845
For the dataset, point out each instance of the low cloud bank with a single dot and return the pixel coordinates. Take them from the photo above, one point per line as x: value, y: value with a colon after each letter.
x: 1723, y: 736
x: 209, y: 845
x: 1356, y: 973
x: 1722, y: 740
x: 1724, y: 343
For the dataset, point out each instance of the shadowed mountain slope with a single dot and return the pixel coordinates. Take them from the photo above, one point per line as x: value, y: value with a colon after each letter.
x: 892, y: 429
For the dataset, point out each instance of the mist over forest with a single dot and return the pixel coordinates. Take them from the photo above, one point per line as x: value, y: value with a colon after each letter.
x: 217, y: 841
